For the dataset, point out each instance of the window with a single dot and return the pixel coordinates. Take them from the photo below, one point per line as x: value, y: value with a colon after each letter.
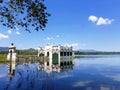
x: 61, y: 53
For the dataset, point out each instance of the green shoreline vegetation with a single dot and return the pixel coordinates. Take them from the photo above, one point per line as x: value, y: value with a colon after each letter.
x: 3, y: 58
x: 25, y: 53
x: 3, y: 54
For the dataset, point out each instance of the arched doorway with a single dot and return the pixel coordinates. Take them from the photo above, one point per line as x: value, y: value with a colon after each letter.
x: 61, y: 53
x: 70, y: 53
x: 10, y: 54
x: 48, y: 54
x: 55, y: 58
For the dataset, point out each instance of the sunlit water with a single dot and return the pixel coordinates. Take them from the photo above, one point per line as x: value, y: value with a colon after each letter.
x: 88, y: 72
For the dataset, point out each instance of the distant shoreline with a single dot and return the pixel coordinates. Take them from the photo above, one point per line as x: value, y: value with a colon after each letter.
x: 33, y: 52
x: 94, y: 53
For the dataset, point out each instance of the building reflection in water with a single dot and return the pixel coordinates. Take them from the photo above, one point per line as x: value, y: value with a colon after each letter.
x: 50, y: 66
x: 36, y: 76
x: 11, y: 68
x: 47, y: 66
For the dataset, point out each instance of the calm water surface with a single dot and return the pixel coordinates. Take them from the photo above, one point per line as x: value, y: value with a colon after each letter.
x: 87, y: 72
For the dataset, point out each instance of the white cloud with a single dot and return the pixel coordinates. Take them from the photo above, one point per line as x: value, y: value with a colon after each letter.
x: 2, y: 36
x: 100, y: 20
x: 73, y: 45
x: 9, y: 31
x: 104, y: 21
x: 49, y: 38
x: 52, y: 38
x: 57, y: 36
x: 93, y: 18
x: 18, y: 33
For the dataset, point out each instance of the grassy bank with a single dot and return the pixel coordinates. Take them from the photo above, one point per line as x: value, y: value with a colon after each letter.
x: 3, y: 58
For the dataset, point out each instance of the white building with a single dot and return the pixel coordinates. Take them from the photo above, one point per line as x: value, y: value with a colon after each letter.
x: 56, y: 52
x: 50, y: 51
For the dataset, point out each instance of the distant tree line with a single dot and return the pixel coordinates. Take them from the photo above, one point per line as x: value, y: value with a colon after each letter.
x: 3, y: 52
x: 26, y: 52
x: 21, y: 52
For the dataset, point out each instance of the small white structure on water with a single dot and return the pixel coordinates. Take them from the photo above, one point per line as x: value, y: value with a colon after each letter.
x: 58, y: 50
x: 12, y: 53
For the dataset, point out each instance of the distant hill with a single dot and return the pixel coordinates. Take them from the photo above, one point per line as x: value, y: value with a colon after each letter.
x: 31, y: 49
x: 4, y: 48
x: 26, y: 49
x: 87, y: 50
x: 92, y: 51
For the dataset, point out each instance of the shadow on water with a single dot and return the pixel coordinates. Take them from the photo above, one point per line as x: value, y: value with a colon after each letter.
x: 70, y: 75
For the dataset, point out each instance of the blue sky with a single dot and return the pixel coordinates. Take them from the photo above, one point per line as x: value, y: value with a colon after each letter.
x: 85, y: 24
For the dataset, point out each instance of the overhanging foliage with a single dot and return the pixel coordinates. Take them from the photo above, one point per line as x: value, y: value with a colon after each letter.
x: 24, y: 13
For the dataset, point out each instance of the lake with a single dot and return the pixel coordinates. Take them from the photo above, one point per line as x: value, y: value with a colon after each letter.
x: 86, y: 72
